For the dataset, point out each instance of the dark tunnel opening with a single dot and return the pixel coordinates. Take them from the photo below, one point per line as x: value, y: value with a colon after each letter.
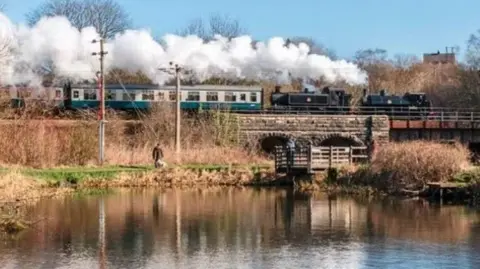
x: 339, y: 141
x: 268, y: 143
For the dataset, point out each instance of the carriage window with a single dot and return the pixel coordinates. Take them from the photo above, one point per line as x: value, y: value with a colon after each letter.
x: 109, y: 95
x: 58, y: 94
x: 193, y: 96
x: 147, y: 95
x: 253, y: 97
x: 230, y: 97
x: 172, y: 95
x: 76, y: 94
x: 212, y: 96
x: 129, y: 96
x: 25, y: 94
x: 243, y: 97
x: 161, y: 96
x: 90, y: 94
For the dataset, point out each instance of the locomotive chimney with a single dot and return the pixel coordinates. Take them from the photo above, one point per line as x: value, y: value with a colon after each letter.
x: 364, y: 92
x: 382, y: 92
x: 277, y: 88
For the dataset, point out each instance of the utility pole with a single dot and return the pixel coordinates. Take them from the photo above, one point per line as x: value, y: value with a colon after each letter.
x: 101, y: 116
x: 176, y: 70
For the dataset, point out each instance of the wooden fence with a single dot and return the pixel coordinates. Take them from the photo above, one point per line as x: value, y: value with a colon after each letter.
x: 308, y: 159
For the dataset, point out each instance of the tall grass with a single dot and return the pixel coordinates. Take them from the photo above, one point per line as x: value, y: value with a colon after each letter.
x: 206, y: 138
x: 410, y: 165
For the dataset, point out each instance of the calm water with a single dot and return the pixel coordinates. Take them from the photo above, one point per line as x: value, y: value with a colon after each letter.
x: 243, y: 228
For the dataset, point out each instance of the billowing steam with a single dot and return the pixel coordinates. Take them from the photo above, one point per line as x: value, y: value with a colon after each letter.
x: 55, y: 43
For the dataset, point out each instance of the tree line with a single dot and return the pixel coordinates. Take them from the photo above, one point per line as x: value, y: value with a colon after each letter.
x: 453, y: 85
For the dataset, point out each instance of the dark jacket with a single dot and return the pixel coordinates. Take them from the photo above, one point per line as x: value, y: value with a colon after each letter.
x: 157, y: 153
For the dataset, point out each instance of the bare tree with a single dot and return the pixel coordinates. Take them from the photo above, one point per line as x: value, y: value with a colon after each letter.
x: 315, y: 47
x: 107, y: 16
x: 366, y: 57
x: 472, y: 55
x: 217, y: 25
x: 404, y: 60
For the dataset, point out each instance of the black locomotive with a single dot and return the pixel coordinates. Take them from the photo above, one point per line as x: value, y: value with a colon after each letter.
x: 337, y: 99
x: 409, y: 105
x: 328, y: 99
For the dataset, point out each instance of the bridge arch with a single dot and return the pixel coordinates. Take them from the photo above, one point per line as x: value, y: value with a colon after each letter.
x: 269, y: 141
x: 339, y: 140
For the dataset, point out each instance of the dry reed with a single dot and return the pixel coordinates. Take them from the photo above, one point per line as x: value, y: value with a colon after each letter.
x: 412, y: 164
x: 17, y: 188
x: 208, y: 138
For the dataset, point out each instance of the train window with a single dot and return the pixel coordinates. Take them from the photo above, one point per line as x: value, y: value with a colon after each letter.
x: 76, y: 94
x: 58, y: 94
x: 109, y: 95
x: 147, y: 95
x: 129, y: 96
x: 90, y: 94
x: 230, y: 97
x: 161, y: 96
x: 243, y: 97
x: 212, y: 96
x: 25, y: 94
x: 193, y: 96
x: 172, y: 95
x: 253, y: 97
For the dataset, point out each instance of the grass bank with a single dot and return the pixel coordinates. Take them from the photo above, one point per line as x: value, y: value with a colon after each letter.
x: 404, y: 169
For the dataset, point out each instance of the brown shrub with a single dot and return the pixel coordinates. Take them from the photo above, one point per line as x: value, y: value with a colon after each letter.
x: 412, y: 164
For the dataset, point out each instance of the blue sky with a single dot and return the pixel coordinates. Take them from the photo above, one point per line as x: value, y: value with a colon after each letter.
x: 400, y: 26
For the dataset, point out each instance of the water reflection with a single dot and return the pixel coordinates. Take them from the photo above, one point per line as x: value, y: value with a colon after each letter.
x: 243, y: 228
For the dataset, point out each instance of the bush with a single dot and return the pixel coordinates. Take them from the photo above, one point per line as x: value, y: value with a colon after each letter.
x: 412, y: 164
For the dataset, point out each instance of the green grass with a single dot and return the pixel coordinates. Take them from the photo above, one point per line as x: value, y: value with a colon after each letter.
x: 76, y: 174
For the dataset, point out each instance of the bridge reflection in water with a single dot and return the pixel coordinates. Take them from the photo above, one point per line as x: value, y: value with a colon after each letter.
x: 241, y: 227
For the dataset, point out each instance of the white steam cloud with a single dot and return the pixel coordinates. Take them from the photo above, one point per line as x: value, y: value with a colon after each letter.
x: 53, y: 41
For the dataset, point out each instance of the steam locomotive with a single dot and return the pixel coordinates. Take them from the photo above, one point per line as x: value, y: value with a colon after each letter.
x: 331, y: 100
x: 248, y: 99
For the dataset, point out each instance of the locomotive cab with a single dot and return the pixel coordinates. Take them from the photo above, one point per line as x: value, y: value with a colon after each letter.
x: 417, y: 99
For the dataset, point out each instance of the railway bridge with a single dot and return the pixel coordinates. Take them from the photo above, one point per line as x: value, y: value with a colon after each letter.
x: 268, y: 130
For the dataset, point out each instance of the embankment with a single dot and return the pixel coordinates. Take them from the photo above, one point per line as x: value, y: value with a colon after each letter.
x: 207, y: 138
x: 23, y: 185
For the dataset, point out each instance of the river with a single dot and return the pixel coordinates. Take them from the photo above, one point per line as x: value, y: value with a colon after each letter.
x: 243, y: 228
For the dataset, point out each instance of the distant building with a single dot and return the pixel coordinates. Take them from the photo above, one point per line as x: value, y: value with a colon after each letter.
x: 439, y: 58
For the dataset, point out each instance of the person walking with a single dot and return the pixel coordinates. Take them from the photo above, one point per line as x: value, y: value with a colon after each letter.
x: 157, y: 156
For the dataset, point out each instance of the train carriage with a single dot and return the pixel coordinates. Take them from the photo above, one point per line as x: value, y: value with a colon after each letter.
x: 127, y: 97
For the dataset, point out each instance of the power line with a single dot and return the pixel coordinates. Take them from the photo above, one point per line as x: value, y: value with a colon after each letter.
x: 101, y: 116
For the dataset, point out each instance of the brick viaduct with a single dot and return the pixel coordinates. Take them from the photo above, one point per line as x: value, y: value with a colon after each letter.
x: 340, y: 130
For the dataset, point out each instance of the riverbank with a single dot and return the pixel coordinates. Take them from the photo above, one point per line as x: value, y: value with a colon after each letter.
x: 23, y: 186
x: 405, y: 169
x: 18, y: 184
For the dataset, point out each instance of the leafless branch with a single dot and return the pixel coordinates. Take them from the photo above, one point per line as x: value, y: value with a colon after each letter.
x: 404, y: 60
x: 217, y: 25
x: 107, y: 16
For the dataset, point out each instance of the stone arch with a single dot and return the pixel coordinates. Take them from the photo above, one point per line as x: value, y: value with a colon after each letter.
x: 267, y: 142
x: 339, y: 140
